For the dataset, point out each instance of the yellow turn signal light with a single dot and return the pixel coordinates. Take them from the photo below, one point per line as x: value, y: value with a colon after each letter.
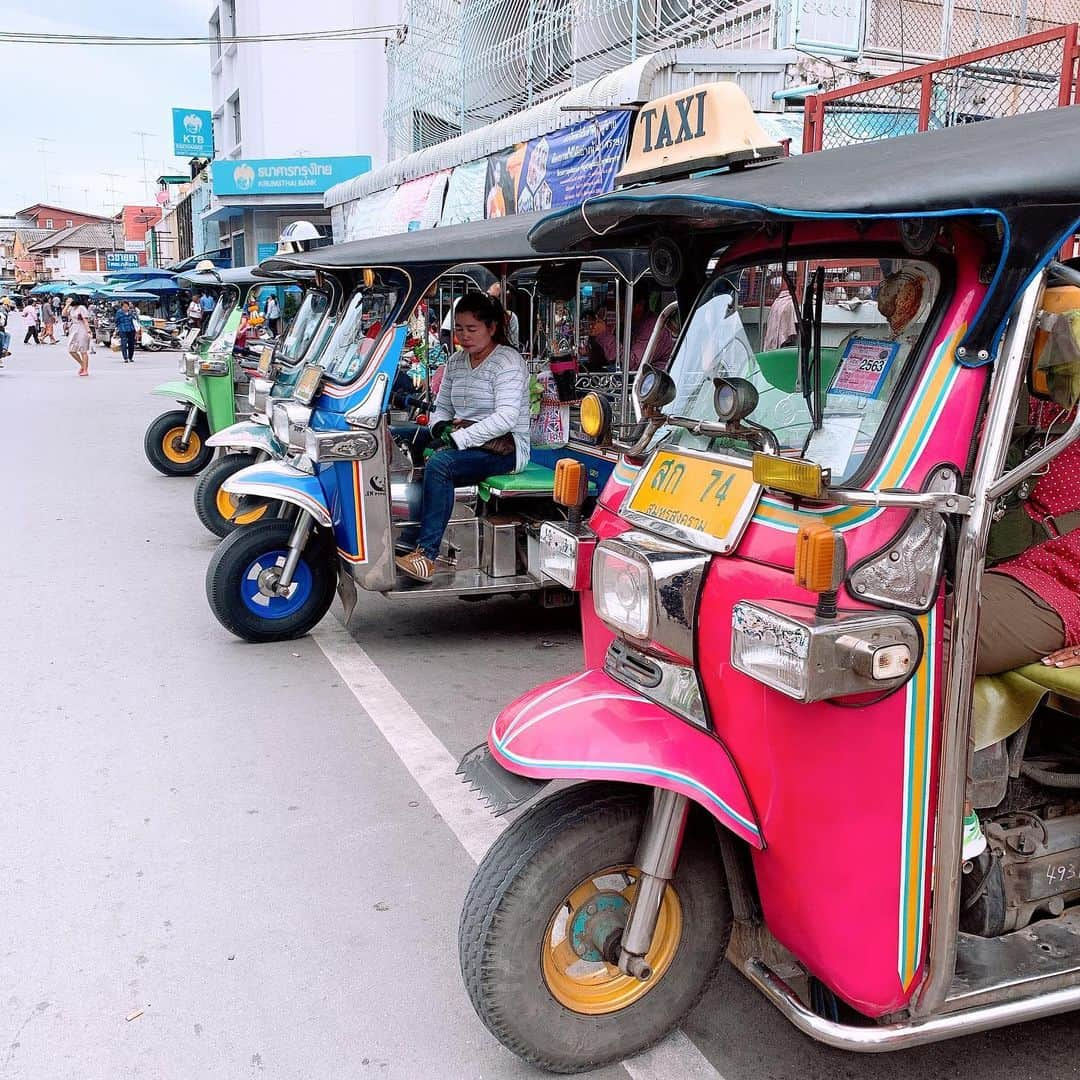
x: 819, y: 558
x: 803, y: 478
x: 571, y: 483
x: 595, y: 417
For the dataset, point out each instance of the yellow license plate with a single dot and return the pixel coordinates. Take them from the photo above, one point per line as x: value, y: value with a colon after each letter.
x: 693, y: 494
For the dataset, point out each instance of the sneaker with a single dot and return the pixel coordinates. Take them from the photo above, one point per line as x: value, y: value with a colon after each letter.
x: 416, y: 565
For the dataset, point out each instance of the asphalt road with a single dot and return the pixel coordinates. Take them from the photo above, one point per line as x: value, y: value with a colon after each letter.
x: 218, y: 842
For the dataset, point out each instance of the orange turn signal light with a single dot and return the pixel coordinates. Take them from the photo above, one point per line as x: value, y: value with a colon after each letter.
x: 819, y: 558
x: 571, y: 483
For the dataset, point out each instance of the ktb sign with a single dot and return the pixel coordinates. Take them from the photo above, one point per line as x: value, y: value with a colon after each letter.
x: 193, y: 133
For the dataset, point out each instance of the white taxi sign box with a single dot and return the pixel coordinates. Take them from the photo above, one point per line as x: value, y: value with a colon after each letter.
x: 705, y: 127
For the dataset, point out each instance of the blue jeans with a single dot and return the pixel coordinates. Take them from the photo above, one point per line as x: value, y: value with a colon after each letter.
x: 127, y: 344
x: 446, y: 470
x: 5, y: 341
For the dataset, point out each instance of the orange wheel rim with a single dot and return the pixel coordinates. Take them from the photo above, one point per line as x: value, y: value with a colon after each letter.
x: 227, y: 504
x: 586, y: 983
x: 170, y: 445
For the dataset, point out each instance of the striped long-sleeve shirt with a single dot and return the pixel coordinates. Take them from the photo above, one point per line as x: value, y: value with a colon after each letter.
x: 495, y: 396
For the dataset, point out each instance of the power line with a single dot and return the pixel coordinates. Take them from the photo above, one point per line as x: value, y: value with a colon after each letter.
x: 359, y: 33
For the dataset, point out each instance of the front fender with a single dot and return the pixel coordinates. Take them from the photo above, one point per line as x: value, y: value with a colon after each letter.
x: 274, y: 480
x: 589, y: 726
x: 248, y: 435
x: 181, y: 391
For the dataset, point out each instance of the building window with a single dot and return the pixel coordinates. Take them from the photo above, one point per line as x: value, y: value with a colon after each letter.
x: 69, y: 223
x: 228, y: 17
x: 215, y: 36
x: 234, y: 113
x: 48, y: 223
x: 219, y: 132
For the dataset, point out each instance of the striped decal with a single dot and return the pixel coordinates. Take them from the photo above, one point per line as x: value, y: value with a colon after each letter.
x: 358, y: 511
x: 930, y: 397
x: 624, y: 474
x: 918, y: 746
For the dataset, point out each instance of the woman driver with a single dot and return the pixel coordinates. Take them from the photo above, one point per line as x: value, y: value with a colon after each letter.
x: 478, y: 428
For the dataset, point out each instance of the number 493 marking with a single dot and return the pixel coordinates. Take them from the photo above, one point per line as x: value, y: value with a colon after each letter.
x: 718, y: 486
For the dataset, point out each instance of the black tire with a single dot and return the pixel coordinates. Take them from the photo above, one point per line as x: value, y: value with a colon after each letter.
x: 518, y: 889
x: 160, y: 444
x: 210, y: 500
x: 227, y: 575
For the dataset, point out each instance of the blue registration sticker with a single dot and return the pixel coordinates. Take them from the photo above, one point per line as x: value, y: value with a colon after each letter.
x: 863, y: 367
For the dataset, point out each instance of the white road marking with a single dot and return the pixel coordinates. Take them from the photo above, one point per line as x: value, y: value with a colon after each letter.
x: 433, y: 767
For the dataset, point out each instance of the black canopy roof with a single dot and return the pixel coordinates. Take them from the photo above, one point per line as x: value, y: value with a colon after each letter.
x: 429, y: 252
x: 1023, y: 170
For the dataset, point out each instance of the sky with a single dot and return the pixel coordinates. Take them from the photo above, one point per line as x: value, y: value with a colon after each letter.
x: 71, y: 110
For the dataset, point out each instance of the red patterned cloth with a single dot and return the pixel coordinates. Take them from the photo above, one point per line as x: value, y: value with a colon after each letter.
x: 1052, y: 569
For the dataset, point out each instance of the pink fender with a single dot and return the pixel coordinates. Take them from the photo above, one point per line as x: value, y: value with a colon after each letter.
x: 590, y: 727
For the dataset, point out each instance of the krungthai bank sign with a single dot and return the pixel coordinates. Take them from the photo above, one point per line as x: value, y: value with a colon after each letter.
x: 285, y: 176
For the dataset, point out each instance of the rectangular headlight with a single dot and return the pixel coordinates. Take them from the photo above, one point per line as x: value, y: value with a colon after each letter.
x: 622, y: 591
x: 791, y: 649
x: 566, y: 553
x: 289, y: 423
x: 189, y: 363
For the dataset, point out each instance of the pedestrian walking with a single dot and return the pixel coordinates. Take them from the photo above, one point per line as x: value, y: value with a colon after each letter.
x: 65, y: 315
x: 125, y: 328
x: 194, y: 313
x: 79, y: 341
x: 206, y: 302
x: 273, y: 315
x: 49, y: 319
x: 5, y: 337
x: 30, y: 314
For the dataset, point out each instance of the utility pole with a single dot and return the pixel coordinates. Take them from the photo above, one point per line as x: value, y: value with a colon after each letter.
x: 143, y: 136
x: 41, y: 140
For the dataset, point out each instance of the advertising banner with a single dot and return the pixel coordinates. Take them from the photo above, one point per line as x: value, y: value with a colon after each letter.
x: 193, y: 133
x: 500, y: 188
x: 573, y: 164
x: 285, y: 176
x: 465, y: 194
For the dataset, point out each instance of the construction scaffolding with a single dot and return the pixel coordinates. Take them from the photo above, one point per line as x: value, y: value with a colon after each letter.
x: 461, y: 64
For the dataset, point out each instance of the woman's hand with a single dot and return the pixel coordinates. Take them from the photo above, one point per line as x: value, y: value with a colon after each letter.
x: 1063, y: 658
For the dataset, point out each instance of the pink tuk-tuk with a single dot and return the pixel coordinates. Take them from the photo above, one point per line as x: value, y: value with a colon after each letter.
x: 778, y: 750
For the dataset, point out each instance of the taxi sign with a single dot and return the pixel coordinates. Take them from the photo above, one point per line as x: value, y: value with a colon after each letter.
x: 705, y: 127
x: 706, y: 501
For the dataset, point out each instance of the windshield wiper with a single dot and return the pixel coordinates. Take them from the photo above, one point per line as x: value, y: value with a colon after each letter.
x: 810, y: 347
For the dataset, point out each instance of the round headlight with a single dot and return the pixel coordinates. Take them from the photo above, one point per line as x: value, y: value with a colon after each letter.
x: 734, y: 399
x: 655, y: 388
x: 595, y: 416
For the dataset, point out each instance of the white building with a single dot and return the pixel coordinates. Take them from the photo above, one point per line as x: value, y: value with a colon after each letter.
x: 293, y: 118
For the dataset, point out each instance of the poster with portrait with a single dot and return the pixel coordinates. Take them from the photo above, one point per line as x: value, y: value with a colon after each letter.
x: 573, y: 164
x: 500, y: 191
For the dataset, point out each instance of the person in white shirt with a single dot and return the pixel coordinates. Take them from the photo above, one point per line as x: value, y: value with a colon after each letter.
x: 478, y: 428
x: 273, y: 315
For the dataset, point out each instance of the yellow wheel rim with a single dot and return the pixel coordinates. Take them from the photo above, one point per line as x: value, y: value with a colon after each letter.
x: 170, y: 446
x: 590, y: 985
x: 227, y: 504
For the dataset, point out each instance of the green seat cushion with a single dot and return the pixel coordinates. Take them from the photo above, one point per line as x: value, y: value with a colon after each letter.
x: 532, y: 480
x: 781, y: 366
x: 1004, y: 703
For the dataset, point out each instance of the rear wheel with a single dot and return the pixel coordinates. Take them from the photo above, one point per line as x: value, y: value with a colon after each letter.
x: 163, y: 444
x: 543, y: 917
x: 215, y: 507
x: 246, y: 566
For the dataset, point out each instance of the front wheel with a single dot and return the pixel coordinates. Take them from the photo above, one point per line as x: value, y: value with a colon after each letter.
x: 164, y: 446
x: 215, y: 507
x: 543, y: 917
x: 244, y: 569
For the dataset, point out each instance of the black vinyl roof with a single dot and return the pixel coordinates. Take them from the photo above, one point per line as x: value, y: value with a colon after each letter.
x: 238, y: 275
x: 1022, y: 171
x: 495, y: 240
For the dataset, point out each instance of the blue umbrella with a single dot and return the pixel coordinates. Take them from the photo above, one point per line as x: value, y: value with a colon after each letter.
x: 157, y: 284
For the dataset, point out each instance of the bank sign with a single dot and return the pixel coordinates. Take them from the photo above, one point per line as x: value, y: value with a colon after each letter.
x: 285, y: 176
x: 193, y: 133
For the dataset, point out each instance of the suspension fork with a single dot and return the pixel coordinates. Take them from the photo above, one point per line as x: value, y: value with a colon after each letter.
x: 189, y: 427
x: 297, y: 540
x: 657, y: 856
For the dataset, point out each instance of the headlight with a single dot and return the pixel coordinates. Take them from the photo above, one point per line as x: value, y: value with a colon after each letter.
x: 621, y: 590
x: 786, y: 646
x: 188, y: 364
x: 213, y: 365
x: 259, y: 394
x: 289, y: 423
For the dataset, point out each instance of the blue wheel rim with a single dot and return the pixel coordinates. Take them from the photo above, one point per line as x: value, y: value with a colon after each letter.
x: 274, y: 607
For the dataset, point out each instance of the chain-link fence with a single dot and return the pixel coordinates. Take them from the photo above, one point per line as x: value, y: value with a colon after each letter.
x: 928, y: 29
x: 1026, y: 75
x: 460, y: 64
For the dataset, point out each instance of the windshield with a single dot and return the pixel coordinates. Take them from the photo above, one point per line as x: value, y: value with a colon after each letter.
x: 226, y: 301
x: 294, y: 345
x: 357, y: 333
x: 746, y: 325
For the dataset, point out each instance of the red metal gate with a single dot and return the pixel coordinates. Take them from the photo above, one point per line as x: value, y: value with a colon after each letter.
x: 1028, y: 74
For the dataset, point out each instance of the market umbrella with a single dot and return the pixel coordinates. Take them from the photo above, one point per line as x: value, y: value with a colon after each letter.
x: 49, y: 288
x: 157, y: 284
x: 138, y: 274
